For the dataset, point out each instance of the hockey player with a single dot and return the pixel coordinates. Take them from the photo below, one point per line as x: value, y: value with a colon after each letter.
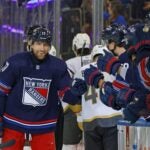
x: 31, y: 85
x: 81, y: 47
x: 59, y: 125
x: 72, y: 133
x: 113, y: 37
x: 131, y: 94
x: 99, y: 121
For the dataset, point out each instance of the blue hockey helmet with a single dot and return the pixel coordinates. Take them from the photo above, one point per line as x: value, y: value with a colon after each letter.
x: 29, y: 31
x: 115, y: 33
x: 41, y: 34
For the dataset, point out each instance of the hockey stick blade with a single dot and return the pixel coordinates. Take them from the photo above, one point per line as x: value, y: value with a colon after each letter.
x: 7, y: 143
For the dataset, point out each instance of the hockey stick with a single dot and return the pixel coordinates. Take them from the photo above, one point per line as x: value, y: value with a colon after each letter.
x: 7, y: 143
x: 82, y: 53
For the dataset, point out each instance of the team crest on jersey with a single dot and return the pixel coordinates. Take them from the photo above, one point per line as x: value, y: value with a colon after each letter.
x: 35, y: 91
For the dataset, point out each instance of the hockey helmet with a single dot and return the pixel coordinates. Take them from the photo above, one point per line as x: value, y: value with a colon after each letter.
x: 30, y: 30
x: 81, y: 40
x: 41, y: 34
x: 115, y: 33
x: 28, y: 35
x: 97, y: 50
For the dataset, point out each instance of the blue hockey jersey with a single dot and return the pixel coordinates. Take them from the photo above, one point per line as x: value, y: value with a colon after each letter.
x: 134, y: 74
x: 29, y: 90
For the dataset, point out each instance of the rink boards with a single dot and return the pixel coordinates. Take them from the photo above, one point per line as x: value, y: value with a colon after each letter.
x: 133, y: 136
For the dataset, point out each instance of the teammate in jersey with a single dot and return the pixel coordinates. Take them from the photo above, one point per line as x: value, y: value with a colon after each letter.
x: 31, y: 86
x: 133, y: 87
x: 99, y: 121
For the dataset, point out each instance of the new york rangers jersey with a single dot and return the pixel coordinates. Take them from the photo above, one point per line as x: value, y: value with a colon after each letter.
x: 29, y: 90
x: 135, y: 73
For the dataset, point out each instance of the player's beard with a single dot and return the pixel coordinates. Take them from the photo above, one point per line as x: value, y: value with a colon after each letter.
x: 39, y: 57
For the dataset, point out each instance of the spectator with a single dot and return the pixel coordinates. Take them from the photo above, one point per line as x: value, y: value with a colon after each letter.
x: 140, y: 8
x: 115, y: 15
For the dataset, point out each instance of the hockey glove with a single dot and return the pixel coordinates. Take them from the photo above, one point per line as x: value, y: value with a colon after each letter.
x: 139, y: 106
x: 124, y: 96
x: 92, y: 76
x: 79, y: 87
x: 108, y: 63
x: 108, y: 96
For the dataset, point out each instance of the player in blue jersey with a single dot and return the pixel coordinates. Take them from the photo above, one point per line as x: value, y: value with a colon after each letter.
x: 31, y: 86
x: 131, y: 90
x: 59, y: 125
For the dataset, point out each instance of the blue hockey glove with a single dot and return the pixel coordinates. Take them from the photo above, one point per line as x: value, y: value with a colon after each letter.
x: 108, y: 96
x: 92, y: 76
x: 79, y: 87
x: 108, y: 63
x: 124, y: 96
x: 139, y: 106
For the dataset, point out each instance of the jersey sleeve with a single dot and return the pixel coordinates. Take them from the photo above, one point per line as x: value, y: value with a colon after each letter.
x: 65, y: 84
x: 7, y: 80
x: 65, y: 80
x: 119, y: 83
x: 70, y: 68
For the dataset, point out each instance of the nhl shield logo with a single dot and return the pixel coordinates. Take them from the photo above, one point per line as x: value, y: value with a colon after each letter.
x: 35, y: 91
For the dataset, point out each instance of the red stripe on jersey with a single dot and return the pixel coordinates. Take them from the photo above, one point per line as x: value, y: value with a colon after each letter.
x: 28, y: 122
x: 109, y: 64
x: 142, y: 66
x: 119, y: 85
x: 5, y: 90
x: 62, y: 92
x: 143, y: 42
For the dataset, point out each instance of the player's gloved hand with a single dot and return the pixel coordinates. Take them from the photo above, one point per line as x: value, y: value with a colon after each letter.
x: 139, y: 106
x: 92, y: 76
x: 108, y: 96
x: 108, y: 63
x: 124, y: 96
x: 79, y: 87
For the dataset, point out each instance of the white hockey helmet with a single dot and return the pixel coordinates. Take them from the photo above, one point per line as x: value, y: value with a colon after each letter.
x: 81, y: 40
x: 52, y: 51
x: 97, y: 50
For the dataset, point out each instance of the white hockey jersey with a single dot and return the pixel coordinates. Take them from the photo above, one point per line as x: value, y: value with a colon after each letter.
x: 74, y: 65
x: 92, y: 107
